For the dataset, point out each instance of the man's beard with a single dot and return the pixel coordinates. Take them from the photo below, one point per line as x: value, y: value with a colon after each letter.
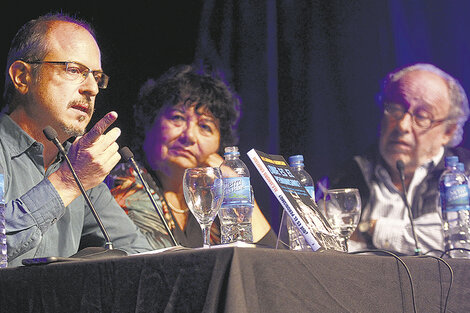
x: 75, y: 131
x: 72, y: 131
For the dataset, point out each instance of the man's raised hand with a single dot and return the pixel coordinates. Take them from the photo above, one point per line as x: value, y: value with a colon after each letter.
x: 92, y: 155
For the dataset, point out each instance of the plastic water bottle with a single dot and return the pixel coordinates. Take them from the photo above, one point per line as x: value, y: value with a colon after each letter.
x: 296, y: 239
x: 3, y: 234
x: 296, y: 162
x: 237, y: 206
x: 453, y: 188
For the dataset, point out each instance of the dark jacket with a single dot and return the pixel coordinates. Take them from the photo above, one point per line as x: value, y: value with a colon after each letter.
x: 426, y: 197
x: 427, y: 193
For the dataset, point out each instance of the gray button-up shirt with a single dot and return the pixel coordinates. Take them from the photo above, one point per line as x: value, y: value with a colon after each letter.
x: 38, y: 224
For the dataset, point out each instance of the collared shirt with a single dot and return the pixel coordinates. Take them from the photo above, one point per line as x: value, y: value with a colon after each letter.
x: 37, y: 222
x: 393, y: 229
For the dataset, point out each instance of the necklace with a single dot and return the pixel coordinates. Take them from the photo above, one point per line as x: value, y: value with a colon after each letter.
x: 175, y: 209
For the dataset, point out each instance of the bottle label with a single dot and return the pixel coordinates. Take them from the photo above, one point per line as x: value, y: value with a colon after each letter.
x: 2, y: 185
x: 237, y: 189
x: 456, y: 198
x: 311, y: 191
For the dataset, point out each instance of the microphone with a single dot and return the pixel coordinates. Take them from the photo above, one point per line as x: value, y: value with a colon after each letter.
x: 401, y: 170
x: 128, y: 156
x: 51, y: 135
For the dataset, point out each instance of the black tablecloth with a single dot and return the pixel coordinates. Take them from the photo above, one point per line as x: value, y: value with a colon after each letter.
x: 234, y: 279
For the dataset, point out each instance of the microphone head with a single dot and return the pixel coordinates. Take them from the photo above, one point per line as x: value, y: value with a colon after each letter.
x: 126, y: 153
x: 400, y: 165
x: 50, y: 133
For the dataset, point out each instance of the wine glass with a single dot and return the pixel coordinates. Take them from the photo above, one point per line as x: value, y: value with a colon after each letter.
x: 203, y: 192
x: 343, y: 209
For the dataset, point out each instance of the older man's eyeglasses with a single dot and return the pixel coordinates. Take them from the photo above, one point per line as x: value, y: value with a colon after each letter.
x: 77, y: 72
x: 420, y: 117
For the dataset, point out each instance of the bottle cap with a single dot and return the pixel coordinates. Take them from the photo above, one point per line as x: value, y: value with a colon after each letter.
x: 451, y: 160
x: 231, y: 150
x: 296, y: 159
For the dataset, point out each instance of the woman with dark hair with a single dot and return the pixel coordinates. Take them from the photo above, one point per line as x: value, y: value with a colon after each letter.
x: 183, y: 120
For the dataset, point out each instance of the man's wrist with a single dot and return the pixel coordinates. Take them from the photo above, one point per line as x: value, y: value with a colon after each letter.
x: 65, y: 185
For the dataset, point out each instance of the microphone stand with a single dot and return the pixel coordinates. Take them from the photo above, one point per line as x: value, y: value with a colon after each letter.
x: 51, y: 135
x: 400, y: 167
x: 128, y: 156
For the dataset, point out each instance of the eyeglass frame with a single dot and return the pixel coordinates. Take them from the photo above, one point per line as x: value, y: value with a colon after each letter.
x: 84, y: 74
x: 432, y: 122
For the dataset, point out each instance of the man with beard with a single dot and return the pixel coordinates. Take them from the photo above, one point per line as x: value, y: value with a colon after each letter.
x: 424, y: 113
x: 52, y: 77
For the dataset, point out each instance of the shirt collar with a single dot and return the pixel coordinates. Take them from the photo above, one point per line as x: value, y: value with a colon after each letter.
x: 16, y: 139
x: 419, y: 174
x: 437, y: 158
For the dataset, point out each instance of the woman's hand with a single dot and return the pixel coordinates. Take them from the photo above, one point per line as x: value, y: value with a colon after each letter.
x: 213, y: 160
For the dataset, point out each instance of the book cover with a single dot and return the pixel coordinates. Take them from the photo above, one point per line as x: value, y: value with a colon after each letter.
x: 296, y: 201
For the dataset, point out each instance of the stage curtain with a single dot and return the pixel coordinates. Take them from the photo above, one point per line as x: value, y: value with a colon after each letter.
x: 308, y: 72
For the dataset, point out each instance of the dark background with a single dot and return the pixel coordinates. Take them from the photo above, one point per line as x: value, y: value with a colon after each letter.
x: 138, y: 40
x: 307, y: 71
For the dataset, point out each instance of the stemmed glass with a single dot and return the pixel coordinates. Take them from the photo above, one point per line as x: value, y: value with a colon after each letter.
x: 203, y: 192
x: 342, y: 209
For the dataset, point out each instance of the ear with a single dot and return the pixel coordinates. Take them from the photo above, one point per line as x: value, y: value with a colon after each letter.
x: 20, y: 75
x: 449, y: 133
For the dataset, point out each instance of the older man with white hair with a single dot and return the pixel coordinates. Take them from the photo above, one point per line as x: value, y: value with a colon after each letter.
x: 424, y: 113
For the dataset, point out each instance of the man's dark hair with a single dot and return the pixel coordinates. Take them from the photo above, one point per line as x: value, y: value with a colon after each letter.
x: 30, y: 44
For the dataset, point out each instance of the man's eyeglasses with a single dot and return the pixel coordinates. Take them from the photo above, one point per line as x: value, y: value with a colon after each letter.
x: 78, y: 72
x: 420, y: 117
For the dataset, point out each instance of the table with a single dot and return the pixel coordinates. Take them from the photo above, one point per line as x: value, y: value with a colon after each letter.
x: 234, y: 279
